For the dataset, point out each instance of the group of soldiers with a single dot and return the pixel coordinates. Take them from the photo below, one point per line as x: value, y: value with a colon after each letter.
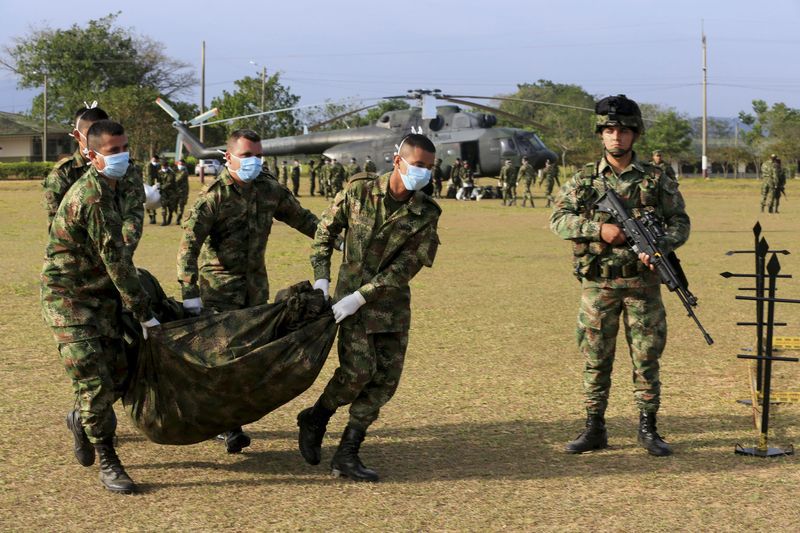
x: 511, y: 175
x: 773, y: 183
x: 173, y: 186
x: 327, y: 177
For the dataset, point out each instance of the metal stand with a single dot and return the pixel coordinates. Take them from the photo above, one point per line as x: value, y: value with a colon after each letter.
x: 764, y: 344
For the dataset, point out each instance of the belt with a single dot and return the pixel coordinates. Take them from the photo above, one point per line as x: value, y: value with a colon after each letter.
x: 630, y: 270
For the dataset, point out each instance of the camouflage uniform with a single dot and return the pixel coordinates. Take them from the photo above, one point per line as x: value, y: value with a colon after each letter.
x: 169, y: 194
x: 88, y: 276
x: 769, y: 177
x: 130, y: 191
x: 384, y: 249
x: 181, y: 192
x: 550, y: 179
x: 436, y: 178
x: 778, y: 188
x: 666, y: 168
x: 614, y: 280
x: 312, y: 176
x: 152, y: 180
x: 284, y: 175
x: 508, y: 182
x: 221, y: 254
x: 527, y: 176
x: 337, y: 178
x: 324, y: 179
x: 352, y: 169
x: 296, y: 180
x: 369, y: 166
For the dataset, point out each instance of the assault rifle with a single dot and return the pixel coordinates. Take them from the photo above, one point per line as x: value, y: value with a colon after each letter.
x: 643, y: 234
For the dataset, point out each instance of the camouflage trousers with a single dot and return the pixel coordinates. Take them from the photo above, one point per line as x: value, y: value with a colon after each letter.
x: 645, y: 331
x: 548, y: 191
x: 509, y: 195
x: 369, y: 371
x: 527, y: 196
x: 97, y: 368
x: 766, y: 194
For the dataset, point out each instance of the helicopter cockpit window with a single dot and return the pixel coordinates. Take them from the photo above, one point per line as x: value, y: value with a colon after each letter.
x: 524, y: 144
x: 508, y: 147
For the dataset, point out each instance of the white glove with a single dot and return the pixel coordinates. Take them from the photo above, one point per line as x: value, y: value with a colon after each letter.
x: 153, y: 322
x: 193, y: 306
x: 348, y: 306
x: 323, y: 285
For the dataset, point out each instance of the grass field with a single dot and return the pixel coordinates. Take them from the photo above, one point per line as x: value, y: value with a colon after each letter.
x: 491, y: 392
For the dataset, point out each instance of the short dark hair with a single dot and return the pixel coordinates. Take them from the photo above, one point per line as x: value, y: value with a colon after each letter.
x: 100, y: 128
x: 250, y: 135
x: 89, y: 114
x: 417, y: 140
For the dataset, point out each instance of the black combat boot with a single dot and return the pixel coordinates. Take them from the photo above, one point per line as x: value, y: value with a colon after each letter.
x: 164, y: 220
x: 236, y: 440
x: 153, y: 219
x: 84, y: 451
x: 345, y: 462
x: 169, y: 218
x: 594, y: 437
x: 312, y: 423
x: 649, y: 437
x: 112, y: 474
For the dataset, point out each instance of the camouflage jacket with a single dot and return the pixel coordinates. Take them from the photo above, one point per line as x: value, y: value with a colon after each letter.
x: 88, y: 271
x: 337, y: 174
x: 666, y: 168
x: 550, y: 175
x: 152, y: 173
x: 455, y: 173
x: 221, y: 254
x: 508, y: 175
x: 641, y: 186
x: 369, y: 166
x: 770, y: 173
x: 526, y: 174
x: 295, y: 173
x: 382, y: 253
x: 352, y: 169
x: 130, y: 191
x: 436, y: 174
x: 182, y: 185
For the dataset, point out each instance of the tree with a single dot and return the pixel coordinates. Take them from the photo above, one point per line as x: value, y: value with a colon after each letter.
x: 83, y: 63
x: 246, y: 100
x: 566, y: 130
x: 665, y: 130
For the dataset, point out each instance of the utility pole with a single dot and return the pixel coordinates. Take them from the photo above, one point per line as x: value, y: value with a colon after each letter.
x: 263, y: 87
x: 736, y: 145
x: 705, y: 105
x: 44, y: 126
x: 202, y: 100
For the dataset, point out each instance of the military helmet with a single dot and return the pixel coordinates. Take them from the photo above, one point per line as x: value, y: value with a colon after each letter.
x: 618, y: 110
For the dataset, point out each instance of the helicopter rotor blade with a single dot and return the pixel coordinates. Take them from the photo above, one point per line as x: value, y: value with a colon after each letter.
x: 315, y: 127
x: 168, y: 108
x: 178, y: 147
x: 204, y: 116
x: 496, y: 111
x: 524, y: 100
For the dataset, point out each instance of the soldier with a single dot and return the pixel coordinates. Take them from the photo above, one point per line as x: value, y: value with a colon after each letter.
x: 467, y: 180
x: 284, y: 175
x: 778, y: 186
x: 549, y: 179
x: 369, y: 165
x: 169, y: 192
x: 221, y: 255
x: 296, y: 177
x: 337, y: 177
x: 614, y: 280
x: 181, y: 189
x: 508, y: 182
x: 455, y: 179
x: 663, y: 165
x: 390, y: 234
x: 152, y: 180
x: 526, y: 176
x: 436, y: 178
x: 769, y: 178
x: 312, y: 175
x: 88, y: 276
x: 353, y: 168
x: 276, y: 171
x: 325, y: 177
x: 130, y: 188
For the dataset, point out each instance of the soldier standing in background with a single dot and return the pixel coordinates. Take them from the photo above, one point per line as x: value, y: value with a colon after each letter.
x: 325, y: 177
x: 312, y: 176
x: 221, y: 261
x: 436, y: 178
x: 390, y: 234
x: 169, y: 197
x: 87, y: 278
x: 181, y: 189
x: 769, y: 173
x: 337, y: 177
x: 549, y: 179
x: 284, y: 174
x: 369, y: 165
x: 353, y: 168
x: 152, y: 180
x: 296, y: 177
x: 663, y: 165
x: 526, y: 176
x: 508, y: 182
x: 778, y: 186
x: 614, y: 281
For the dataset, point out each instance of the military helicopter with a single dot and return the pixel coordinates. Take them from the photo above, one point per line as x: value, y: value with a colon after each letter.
x: 457, y: 133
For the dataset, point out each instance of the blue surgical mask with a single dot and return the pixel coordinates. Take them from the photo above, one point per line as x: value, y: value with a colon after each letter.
x: 116, y: 165
x: 416, y: 178
x: 249, y: 168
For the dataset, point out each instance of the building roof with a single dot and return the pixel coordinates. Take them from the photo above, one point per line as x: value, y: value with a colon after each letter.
x: 15, y: 124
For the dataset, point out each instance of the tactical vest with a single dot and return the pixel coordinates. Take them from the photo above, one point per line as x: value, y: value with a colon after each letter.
x: 597, y: 259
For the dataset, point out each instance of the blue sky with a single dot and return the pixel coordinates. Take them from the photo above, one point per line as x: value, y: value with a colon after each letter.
x: 648, y: 50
